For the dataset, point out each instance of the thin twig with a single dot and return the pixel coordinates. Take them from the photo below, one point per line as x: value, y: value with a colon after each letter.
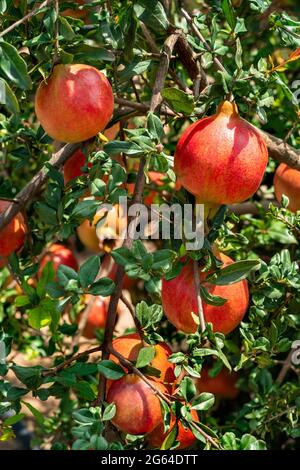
x: 196, y: 31
x: 198, y: 295
x: 25, y: 18
x: 286, y: 367
x: 66, y: 363
x: 136, y: 322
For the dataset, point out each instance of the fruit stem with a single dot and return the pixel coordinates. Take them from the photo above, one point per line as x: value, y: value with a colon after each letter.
x: 198, y: 295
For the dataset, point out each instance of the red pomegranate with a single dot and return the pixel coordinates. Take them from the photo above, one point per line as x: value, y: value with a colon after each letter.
x: 58, y: 255
x: 185, y: 437
x: 179, y: 301
x: 74, y: 103
x: 12, y: 236
x: 221, y: 159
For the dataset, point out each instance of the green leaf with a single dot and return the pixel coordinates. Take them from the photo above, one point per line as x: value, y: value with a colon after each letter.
x: 109, y: 412
x: 211, y: 299
x: 155, y: 127
x: 85, y: 390
x: 180, y: 101
x: 152, y: 13
x: 187, y: 389
x: 9, y: 99
x: 229, y: 13
x: 104, y: 287
x: 148, y: 314
x: 110, y: 370
x: 13, y: 419
x: 89, y: 270
x: 65, y: 29
x: 129, y: 148
x: 14, y: 66
x: 203, y: 402
x: 65, y: 274
x: 235, y: 272
x: 170, y: 438
x: 229, y: 442
x: 145, y: 356
x: 36, y: 413
x: 30, y: 376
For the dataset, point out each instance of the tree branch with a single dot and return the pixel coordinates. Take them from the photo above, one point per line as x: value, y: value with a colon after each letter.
x: 25, y: 18
x: 33, y: 187
x: 66, y: 363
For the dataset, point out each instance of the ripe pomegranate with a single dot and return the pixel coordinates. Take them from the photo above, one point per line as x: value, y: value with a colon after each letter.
x: 179, y: 301
x: 185, y: 437
x: 58, y: 255
x: 12, y: 236
x: 130, y: 345
x: 96, y: 316
x: 287, y: 181
x: 138, y: 408
x: 221, y: 159
x: 223, y: 385
x: 74, y: 103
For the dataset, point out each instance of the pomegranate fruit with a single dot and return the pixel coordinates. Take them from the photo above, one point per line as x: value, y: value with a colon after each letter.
x: 130, y: 345
x: 222, y: 385
x: 221, y: 159
x: 138, y: 408
x: 185, y: 437
x: 58, y: 255
x: 287, y: 181
x: 12, y: 236
x: 179, y: 301
x: 74, y: 103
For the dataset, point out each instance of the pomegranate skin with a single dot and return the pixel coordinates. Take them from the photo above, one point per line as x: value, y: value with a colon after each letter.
x: 12, y: 236
x: 96, y: 316
x: 223, y: 385
x: 58, y: 254
x: 75, y: 103
x: 72, y: 167
x: 138, y: 409
x: 179, y: 301
x: 221, y: 159
x: 287, y: 181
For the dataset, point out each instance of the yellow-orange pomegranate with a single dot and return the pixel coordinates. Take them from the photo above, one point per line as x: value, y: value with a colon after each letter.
x: 106, y: 231
x: 74, y: 103
x: 179, y: 301
x: 221, y: 159
x: 287, y: 181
